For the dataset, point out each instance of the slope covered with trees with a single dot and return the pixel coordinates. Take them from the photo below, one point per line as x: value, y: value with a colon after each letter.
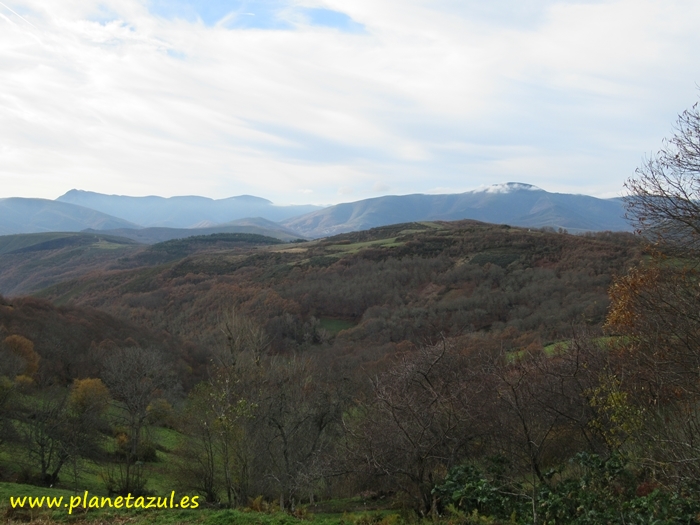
x: 406, y: 282
x: 457, y: 369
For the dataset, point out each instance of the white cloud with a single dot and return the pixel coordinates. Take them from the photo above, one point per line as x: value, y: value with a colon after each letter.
x: 380, y: 187
x: 564, y: 95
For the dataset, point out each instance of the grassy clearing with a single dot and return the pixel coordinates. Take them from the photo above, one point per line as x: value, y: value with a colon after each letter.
x: 336, y: 325
x: 349, y: 511
x: 357, y: 246
x: 103, y: 244
x: 18, y: 489
x: 325, y: 513
x: 562, y: 346
x: 166, y: 438
x: 87, y: 475
x: 10, y: 243
x: 295, y: 249
x: 200, y: 517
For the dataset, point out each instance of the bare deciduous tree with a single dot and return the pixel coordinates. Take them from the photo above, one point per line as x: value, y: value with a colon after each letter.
x: 298, y: 411
x: 214, y: 459
x: 656, y: 305
x: 134, y: 375
x: 425, y: 414
x: 46, y: 433
x: 664, y: 198
x: 243, y: 335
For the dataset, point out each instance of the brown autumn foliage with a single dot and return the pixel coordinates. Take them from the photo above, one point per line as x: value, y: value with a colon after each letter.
x: 453, y: 278
x: 337, y: 336
x: 89, y: 396
x: 656, y: 307
x: 72, y: 342
x: 19, y: 347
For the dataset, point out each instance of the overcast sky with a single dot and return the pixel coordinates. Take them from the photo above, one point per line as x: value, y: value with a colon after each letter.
x: 325, y: 101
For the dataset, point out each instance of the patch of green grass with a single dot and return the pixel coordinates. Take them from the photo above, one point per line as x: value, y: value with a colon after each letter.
x: 10, y: 454
x: 92, y: 515
x: 19, y: 489
x: 602, y: 342
x: 337, y: 512
x: 555, y: 348
x: 336, y: 325
x: 103, y: 244
x: 355, y: 505
x: 166, y: 438
x: 357, y: 246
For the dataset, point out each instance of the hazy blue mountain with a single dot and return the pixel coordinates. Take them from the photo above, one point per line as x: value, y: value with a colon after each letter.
x: 511, y: 203
x: 257, y: 225
x: 20, y: 215
x: 183, y: 212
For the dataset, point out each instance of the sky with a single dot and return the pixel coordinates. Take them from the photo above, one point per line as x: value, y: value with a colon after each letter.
x: 327, y: 101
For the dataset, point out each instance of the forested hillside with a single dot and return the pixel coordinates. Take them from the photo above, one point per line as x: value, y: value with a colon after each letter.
x: 34, y: 261
x: 410, y: 282
x: 438, y: 367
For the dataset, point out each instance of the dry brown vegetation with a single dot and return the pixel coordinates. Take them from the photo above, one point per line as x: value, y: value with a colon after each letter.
x: 375, y: 361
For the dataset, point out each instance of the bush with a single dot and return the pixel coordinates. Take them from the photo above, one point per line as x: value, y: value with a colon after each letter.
x: 607, y: 491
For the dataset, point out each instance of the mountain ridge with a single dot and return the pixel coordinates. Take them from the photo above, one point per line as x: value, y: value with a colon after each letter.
x: 28, y: 215
x: 185, y: 211
x: 155, y: 219
x: 514, y: 203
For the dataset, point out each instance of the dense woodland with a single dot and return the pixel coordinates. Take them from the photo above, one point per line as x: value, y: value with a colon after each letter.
x: 460, y: 371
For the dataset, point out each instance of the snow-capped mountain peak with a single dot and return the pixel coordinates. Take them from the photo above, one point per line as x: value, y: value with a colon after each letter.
x: 506, y: 187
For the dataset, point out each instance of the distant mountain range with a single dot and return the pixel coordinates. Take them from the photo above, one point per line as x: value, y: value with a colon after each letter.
x: 511, y: 203
x: 155, y: 219
x: 183, y: 212
x: 19, y: 215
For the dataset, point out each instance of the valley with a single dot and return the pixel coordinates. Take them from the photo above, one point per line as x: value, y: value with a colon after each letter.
x: 323, y: 350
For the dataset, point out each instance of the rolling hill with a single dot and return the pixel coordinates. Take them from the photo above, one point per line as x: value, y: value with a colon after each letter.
x: 257, y: 226
x: 29, y: 262
x: 20, y: 215
x: 405, y: 281
x: 33, y: 261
